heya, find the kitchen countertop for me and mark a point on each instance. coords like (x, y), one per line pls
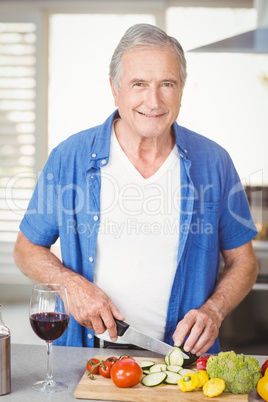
(28, 365)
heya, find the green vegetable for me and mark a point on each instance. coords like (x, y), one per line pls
(239, 372)
(154, 379)
(192, 358)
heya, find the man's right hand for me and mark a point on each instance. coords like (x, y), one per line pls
(89, 305)
(92, 308)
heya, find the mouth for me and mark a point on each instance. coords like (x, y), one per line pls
(152, 116)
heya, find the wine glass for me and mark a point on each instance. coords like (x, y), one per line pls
(49, 318)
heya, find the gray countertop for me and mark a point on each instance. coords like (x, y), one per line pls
(28, 365)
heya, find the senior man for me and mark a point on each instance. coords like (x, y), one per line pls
(143, 207)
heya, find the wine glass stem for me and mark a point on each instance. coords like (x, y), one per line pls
(49, 378)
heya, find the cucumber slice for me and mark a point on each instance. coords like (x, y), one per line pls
(146, 371)
(154, 379)
(146, 364)
(172, 378)
(158, 368)
(175, 368)
(176, 357)
(166, 358)
(186, 371)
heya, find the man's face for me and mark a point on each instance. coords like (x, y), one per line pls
(150, 95)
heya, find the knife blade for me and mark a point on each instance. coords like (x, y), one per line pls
(135, 337)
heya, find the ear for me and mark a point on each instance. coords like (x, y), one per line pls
(115, 94)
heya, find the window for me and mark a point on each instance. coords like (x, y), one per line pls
(17, 131)
(79, 91)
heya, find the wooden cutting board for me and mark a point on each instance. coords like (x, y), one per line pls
(104, 389)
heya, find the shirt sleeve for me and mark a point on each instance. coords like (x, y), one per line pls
(40, 223)
(236, 223)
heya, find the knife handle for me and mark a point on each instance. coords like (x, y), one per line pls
(121, 327)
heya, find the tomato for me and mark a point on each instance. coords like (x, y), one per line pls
(126, 357)
(93, 366)
(105, 368)
(126, 373)
(111, 359)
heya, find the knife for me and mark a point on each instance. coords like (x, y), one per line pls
(135, 337)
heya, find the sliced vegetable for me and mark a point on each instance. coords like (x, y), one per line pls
(186, 371)
(172, 378)
(158, 367)
(166, 358)
(146, 371)
(146, 364)
(174, 368)
(176, 357)
(154, 379)
(214, 387)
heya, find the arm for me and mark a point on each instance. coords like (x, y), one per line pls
(89, 305)
(239, 275)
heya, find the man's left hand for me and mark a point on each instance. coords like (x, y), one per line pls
(202, 325)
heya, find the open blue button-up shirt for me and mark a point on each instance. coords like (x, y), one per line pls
(214, 215)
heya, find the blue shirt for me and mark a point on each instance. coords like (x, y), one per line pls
(214, 215)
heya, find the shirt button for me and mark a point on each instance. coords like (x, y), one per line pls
(93, 155)
(90, 259)
(103, 162)
(95, 218)
(89, 336)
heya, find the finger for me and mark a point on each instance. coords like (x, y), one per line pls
(110, 325)
(205, 346)
(183, 329)
(194, 336)
(206, 340)
(97, 324)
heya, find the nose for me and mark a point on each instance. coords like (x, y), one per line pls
(153, 98)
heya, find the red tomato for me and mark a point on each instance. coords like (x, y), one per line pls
(93, 366)
(126, 373)
(105, 368)
(126, 357)
(111, 359)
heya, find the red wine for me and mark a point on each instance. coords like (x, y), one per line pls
(49, 326)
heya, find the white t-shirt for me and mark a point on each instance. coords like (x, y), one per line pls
(136, 252)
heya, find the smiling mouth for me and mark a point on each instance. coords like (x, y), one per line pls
(151, 115)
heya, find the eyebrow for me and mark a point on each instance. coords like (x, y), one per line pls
(143, 80)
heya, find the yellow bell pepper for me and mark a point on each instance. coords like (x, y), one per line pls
(262, 386)
(203, 378)
(214, 387)
(188, 382)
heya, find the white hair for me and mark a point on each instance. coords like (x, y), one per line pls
(141, 35)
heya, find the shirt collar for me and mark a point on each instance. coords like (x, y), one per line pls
(100, 150)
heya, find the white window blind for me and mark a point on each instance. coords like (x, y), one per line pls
(17, 134)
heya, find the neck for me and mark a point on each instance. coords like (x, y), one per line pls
(146, 154)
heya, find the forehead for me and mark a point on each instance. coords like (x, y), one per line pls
(149, 59)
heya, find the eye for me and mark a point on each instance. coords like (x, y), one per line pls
(138, 84)
(167, 84)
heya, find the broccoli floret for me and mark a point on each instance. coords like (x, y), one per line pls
(240, 373)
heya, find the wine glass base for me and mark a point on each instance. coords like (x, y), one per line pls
(49, 386)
